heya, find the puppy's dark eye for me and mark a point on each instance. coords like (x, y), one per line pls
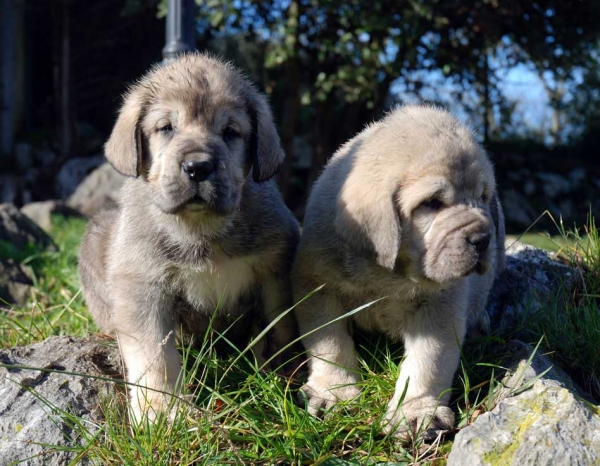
(485, 198)
(432, 204)
(168, 128)
(230, 133)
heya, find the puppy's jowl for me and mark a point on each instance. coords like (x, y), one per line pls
(198, 223)
(407, 210)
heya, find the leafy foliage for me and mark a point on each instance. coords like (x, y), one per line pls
(323, 59)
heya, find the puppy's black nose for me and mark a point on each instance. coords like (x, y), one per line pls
(481, 241)
(197, 171)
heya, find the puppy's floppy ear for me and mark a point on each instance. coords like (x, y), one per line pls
(266, 152)
(367, 220)
(124, 146)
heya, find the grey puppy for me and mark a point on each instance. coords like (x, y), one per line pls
(406, 210)
(199, 224)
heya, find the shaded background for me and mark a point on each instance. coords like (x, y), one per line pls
(524, 74)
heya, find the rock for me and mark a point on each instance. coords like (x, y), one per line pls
(520, 372)
(41, 212)
(10, 188)
(18, 234)
(554, 184)
(544, 423)
(517, 209)
(529, 188)
(18, 230)
(100, 189)
(73, 172)
(15, 283)
(530, 279)
(29, 421)
(577, 176)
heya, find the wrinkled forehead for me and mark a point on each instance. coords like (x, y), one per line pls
(187, 95)
(464, 166)
(450, 179)
(469, 171)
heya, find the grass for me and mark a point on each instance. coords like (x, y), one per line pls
(553, 243)
(56, 306)
(570, 321)
(242, 415)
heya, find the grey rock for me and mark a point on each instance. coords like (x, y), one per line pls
(99, 190)
(15, 283)
(10, 187)
(41, 212)
(73, 172)
(526, 365)
(553, 184)
(517, 209)
(529, 280)
(536, 422)
(566, 208)
(529, 188)
(18, 230)
(32, 401)
(577, 175)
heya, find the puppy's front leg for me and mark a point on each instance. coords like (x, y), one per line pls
(146, 336)
(333, 365)
(432, 340)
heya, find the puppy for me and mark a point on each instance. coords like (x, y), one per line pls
(198, 228)
(406, 211)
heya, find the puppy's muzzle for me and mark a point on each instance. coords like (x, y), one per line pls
(481, 243)
(198, 171)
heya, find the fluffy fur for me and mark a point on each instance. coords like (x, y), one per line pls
(177, 247)
(406, 210)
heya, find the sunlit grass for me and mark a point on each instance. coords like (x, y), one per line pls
(56, 306)
(570, 320)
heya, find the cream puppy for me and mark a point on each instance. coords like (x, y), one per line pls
(406, 211)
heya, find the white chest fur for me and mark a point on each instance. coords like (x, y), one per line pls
(219, 282)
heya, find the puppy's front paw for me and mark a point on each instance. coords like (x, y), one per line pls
(147, 406)
(322, 395)
(145, 409)
(418, 418)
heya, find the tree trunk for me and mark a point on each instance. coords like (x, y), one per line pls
(290, 102)
(321, 143)
(487, 107)
(556, 101)
(65, 101)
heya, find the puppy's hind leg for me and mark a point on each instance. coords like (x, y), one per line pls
(333, 364)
